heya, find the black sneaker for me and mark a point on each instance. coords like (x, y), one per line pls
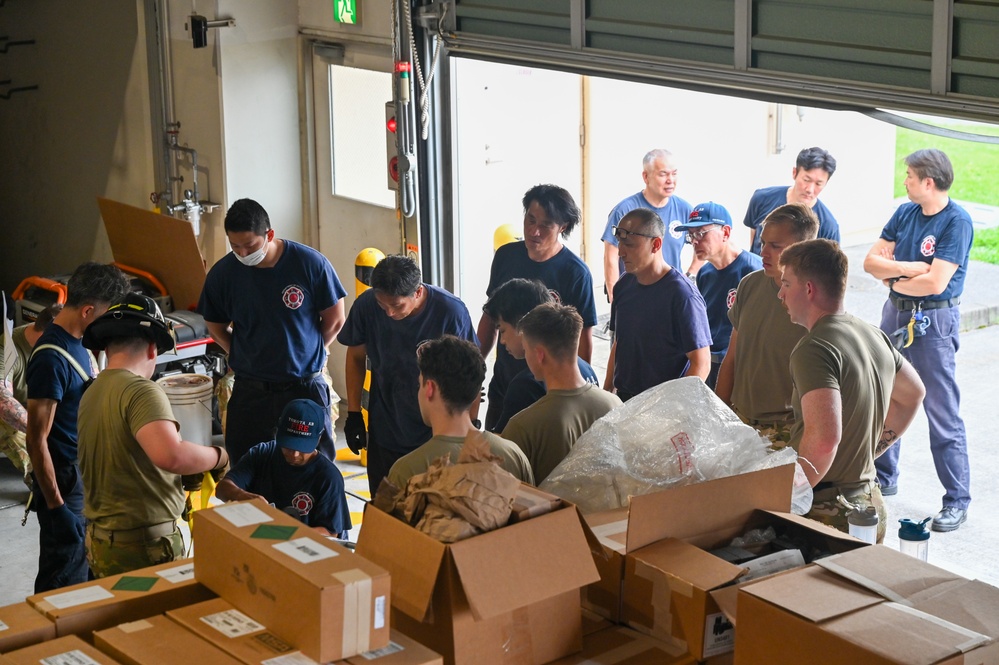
(949, 519)
(889, 490)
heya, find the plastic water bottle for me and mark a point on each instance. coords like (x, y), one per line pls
(914, 538)
(863, 524)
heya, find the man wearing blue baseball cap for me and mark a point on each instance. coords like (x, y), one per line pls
(709, 231)
(289, 472)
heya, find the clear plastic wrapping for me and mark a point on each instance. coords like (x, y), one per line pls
(674, 434)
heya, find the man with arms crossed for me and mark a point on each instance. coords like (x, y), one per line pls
(854, 395)
(753, 378)
(922, 257)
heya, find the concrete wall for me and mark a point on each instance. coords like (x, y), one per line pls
(84, 133)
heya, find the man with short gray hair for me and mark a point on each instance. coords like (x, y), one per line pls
(659, 172)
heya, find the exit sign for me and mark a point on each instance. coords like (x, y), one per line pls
(345, 11)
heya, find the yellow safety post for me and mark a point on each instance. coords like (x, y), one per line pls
(364, 264)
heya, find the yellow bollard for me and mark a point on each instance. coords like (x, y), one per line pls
(364, 264)
(505, 234)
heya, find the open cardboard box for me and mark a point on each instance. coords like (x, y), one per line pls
(683, 510)
(874, 606)
(622, 646)
(506, 596)
(669, 585)
(109, 601)
(325, 600)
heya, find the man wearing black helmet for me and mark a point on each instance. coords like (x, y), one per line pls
(131, 453)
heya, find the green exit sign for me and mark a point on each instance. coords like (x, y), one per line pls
(345, 11)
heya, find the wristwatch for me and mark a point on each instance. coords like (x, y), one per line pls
(892, 281)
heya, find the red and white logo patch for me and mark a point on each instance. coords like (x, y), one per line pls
(673, 231)
(293, 296)
(928, 246)
(730, 298)
(302, 502)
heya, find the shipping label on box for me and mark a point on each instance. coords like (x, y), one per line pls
(110, 601)
(68, 650)
(317, 596)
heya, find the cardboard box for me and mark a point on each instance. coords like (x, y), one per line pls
(325, 600)
(623, 646)
(401, 650)
(506, 596)
(109, 601)
(62, 650)
(667, 584)
(593, 622)
(683, 510)
(158, 641)
(21, 626)
(874, 606)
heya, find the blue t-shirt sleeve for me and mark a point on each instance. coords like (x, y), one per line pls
(954, 243)
(47, 375)
(751, 214)
(332, 512)
(890, 231)
(246, 469)
(612, 219)
(329, 290)
(587, 304)
(355, 329)
(210, 303)
(828, 226)
(692, 316)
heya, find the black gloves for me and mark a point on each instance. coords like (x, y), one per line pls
(68, 527)
(192, 481)
(356, 433)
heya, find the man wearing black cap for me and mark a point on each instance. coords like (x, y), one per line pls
(291, 474)
(131, 453)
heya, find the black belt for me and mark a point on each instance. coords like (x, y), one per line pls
(277, 386)
(906, 304)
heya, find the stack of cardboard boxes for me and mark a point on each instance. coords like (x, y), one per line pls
(661, 585)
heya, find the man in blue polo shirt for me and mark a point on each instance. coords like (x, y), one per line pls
(386, 324)
(659, 172)
(811, 173)
(291, 474)
(922, 257)
(709, 231)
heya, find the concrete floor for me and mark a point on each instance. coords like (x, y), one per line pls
(972, 550)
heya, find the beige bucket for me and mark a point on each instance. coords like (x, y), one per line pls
(191, 400)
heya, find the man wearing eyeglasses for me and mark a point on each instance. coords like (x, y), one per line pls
(660, 175)
(709, 230)
(659, 319)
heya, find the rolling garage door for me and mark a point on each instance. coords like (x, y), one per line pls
(929, 56)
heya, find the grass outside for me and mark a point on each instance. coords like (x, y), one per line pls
(976, 172)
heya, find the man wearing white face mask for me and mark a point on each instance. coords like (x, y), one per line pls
(275, 306)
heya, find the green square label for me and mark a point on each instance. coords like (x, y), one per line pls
(274, 532)
(345, 11)
(134, 584)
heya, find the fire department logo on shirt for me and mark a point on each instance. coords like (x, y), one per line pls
(730, 298)
(302, 502)
(673, 231)
(293, 296)
(928, 246)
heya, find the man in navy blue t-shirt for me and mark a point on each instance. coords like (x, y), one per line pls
(811, 173)
(922, 257)
(659, 320)
(58, 372)
(385, 325)
(291, 474)
(550, 215)
(709, 231)
(274, 306)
